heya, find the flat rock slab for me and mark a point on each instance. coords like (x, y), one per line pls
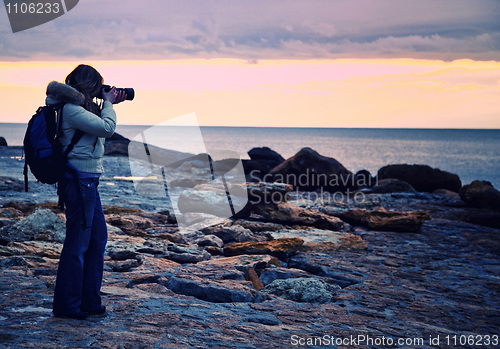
(386, 220)
(323, 240)
(280, 248)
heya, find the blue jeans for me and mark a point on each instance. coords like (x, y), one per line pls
(79, 275)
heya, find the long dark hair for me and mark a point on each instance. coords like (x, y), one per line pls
(89, 82)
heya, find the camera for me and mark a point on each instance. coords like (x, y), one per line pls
(128, 91)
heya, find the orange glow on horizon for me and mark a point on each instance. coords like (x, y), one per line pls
(288, 93)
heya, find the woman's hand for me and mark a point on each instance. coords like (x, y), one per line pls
(113, 96)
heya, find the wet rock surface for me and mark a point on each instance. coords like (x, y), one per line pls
(440, 281)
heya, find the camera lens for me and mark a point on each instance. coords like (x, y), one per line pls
(130, 93)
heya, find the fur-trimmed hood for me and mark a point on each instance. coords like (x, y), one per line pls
(58, 92)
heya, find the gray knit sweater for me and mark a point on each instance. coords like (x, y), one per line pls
(87, 154)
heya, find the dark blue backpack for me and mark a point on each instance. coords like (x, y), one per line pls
(42, 148)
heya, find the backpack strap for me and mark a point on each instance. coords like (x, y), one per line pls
(76, 137)
(25, 172)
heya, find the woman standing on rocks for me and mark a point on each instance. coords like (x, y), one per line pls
(79, 275)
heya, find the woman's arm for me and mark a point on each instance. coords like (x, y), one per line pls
(79, 118)
(88, 122)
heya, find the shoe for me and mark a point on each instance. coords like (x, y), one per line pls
(78, 315)
(98, 311)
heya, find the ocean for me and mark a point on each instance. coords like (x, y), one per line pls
(470, 153)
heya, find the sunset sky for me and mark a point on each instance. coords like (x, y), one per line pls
(418, 64)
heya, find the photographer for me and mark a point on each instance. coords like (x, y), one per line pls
(79, 275)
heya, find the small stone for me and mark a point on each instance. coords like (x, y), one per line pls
(121, 255)
(124, 265)
(251, 275)
(265, 320)
(447, 193)
(309, 290)
(225, 291)
(131, 223)
(10, 212)
(392, 185)
(227, 234)
(281, 248)
(257, 226)
(15, 261)
(185, 255)
(209, 240)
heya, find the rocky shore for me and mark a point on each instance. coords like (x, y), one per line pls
(337, 259)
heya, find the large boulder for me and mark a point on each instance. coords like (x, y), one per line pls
(386, 220)
(3, 142)
(307, 170)
(262, 160)
(481, 194)
(421, 177)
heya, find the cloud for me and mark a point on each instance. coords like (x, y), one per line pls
(158, 29)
